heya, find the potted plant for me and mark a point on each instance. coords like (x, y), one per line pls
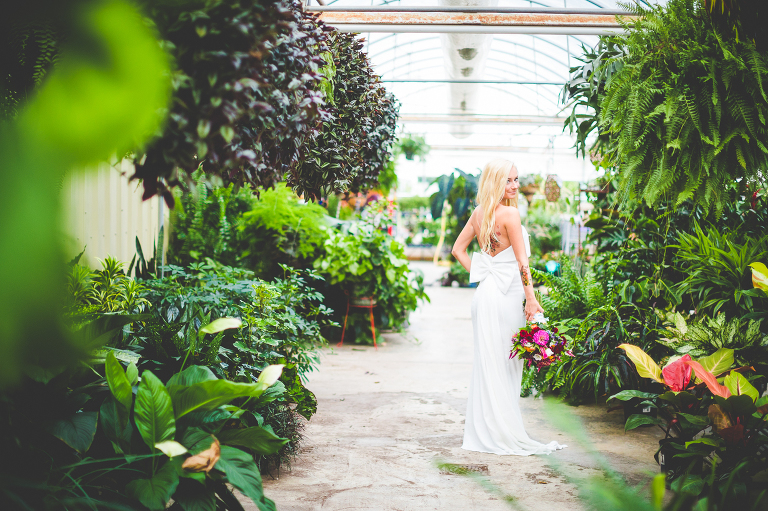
(412, 146)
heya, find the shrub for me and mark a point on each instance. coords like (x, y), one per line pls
(369, 262)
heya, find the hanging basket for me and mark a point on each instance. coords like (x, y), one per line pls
(529, 191)
(552, 188)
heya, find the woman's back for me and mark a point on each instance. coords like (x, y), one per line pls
(501, 227)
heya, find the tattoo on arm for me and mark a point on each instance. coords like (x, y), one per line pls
(526, 275)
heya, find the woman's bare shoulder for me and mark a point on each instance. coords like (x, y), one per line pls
(507, 211)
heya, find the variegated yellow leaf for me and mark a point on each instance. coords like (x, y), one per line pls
(644, 364)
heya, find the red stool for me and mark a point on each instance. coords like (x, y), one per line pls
(362, 303)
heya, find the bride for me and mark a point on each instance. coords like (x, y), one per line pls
(493, 422)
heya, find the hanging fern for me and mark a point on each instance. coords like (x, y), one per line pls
(687, 108)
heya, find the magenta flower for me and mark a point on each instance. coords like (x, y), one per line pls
(541, 337)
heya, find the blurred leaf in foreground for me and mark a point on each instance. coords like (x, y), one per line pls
(106, 95)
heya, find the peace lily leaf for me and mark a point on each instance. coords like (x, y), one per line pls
(739, 385)
(192, 375)
(718, 362)
(242, 473)
(690, 484)
(208, 395)
(760, 276)
(270, 375)
(132, 373)
(119, 384)
(709, 379)
(638, 420)
(644, 364)
(259, 440)
(77, 430)
(171, 448)
(626, 395)
(205, 460)
(118, 432)
(221, 324)
(154, 411)
(155, 493)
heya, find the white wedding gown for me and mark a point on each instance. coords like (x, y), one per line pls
(493, 422)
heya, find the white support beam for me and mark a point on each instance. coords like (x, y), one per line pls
(470, 20)
(536, 120)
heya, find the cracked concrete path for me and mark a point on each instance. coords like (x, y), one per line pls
(386, 417)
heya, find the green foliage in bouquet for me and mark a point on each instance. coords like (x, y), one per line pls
(687, 109)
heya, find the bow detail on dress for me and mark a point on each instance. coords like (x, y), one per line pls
(502, 268)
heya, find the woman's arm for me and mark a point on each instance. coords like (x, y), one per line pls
(459, 249)
(515, 235)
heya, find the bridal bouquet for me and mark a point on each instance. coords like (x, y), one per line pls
(537, 345)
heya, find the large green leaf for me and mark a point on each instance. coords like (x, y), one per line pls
(257, 439)
(242, 473)
(740, 386)
(221, 324)
(132, 373)
(682, 400)
(154, 493)
(626, 395)
(77, 430)
(195, 496)
(638, 420)
(154, 411)
(691, 484)
(119, 385)
(192, 375)
(118, 432)
(718, 362)
(209, 395)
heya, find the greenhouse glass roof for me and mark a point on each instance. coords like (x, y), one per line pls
(513, 103)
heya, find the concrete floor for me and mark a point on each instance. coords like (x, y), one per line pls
(386, 417)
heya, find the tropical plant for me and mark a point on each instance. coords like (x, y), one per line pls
(369, 262)
(718, 273)
(585, 91)
(703, 336)
(236, 228)
(724, 429)
(108, 290)
(687, 108)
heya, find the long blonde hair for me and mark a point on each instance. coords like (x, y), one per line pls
(490, 193)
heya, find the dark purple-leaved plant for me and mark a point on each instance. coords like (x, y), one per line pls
(356, 144)
(246, 92)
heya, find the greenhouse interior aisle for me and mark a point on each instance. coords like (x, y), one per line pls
(387, 417)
